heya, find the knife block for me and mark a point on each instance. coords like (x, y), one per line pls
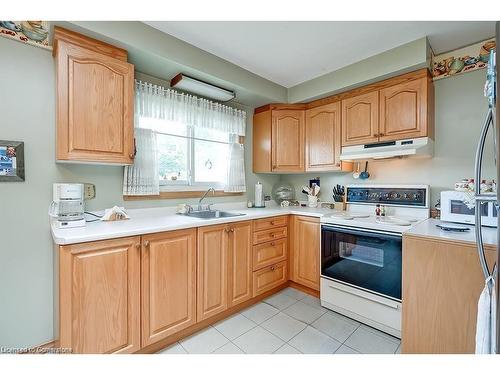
(340, 206)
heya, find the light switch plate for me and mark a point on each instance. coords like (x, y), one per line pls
(88, 191)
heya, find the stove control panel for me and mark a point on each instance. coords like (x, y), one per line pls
(414, 197)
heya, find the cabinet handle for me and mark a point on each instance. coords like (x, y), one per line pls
(272, 222)
(132, 156)
(273, 244)
(146, 243)
(231, 230)
(273, 268)
(376, 135)
(381, 134)
(226, 230)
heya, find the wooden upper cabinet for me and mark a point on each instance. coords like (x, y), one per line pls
(403, 111)
(305, 250)
(240, 263)
(99, 286)
(360, 119)
(323, 129)
(168, 283)
(212, 271)
(261, 142)
(95, 100)
(287, 149)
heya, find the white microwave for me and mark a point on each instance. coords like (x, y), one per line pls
(454, 209)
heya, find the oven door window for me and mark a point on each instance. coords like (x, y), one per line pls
(371, 261)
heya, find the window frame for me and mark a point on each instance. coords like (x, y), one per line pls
(190, 184)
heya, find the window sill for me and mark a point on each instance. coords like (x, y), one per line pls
(178, 194)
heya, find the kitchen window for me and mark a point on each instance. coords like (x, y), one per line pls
(184, 143)
(190, 158)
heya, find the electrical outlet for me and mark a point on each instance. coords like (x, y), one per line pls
(88, 191)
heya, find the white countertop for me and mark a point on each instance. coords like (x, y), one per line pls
(428, 228)
(154, 220)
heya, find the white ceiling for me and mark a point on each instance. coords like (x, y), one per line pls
(289, 53)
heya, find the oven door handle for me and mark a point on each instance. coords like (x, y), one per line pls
(364, 231)
(387, 303)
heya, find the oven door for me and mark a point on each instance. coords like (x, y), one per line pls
(369, 260)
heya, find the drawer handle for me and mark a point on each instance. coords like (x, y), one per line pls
(272, 222)
(273, 244)
(273, 268)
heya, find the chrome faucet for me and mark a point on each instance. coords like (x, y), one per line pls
(203, 197)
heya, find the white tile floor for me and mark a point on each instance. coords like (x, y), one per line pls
(288, 322)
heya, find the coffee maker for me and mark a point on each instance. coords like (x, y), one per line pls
(67, 207)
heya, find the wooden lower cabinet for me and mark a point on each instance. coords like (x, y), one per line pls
(240, 263)
(269, 277)
(99, 296)
(168, 283)
(212, 270)
(305, 244)
(269, 253)
(442, 281)
(224, 267)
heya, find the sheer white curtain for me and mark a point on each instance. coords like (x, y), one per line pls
(235, 181)
(142, 177)
(156, 102)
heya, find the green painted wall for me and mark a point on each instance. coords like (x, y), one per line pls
(399, 60)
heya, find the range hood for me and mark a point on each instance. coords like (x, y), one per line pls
(415, 147)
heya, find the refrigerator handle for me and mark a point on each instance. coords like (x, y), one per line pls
(477, 176)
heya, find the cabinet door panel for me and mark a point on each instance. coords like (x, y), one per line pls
(323, 129)
(288, 140)
(306, 237)
(269, 277)
(100, 296)
(269, 253)
(442, 282)
(168, 284)
(240, 263)
(95, 94)
(360, 119)
(212, 271)
(403, 111)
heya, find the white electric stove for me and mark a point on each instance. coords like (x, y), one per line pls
(361, 253)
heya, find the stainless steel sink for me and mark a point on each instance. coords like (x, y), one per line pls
(212, 214)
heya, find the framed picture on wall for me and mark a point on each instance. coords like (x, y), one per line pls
(11, 161)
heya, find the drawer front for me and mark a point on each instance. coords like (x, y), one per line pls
(269, 253)
(269, 235)
(270, 222)
(269, 277)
